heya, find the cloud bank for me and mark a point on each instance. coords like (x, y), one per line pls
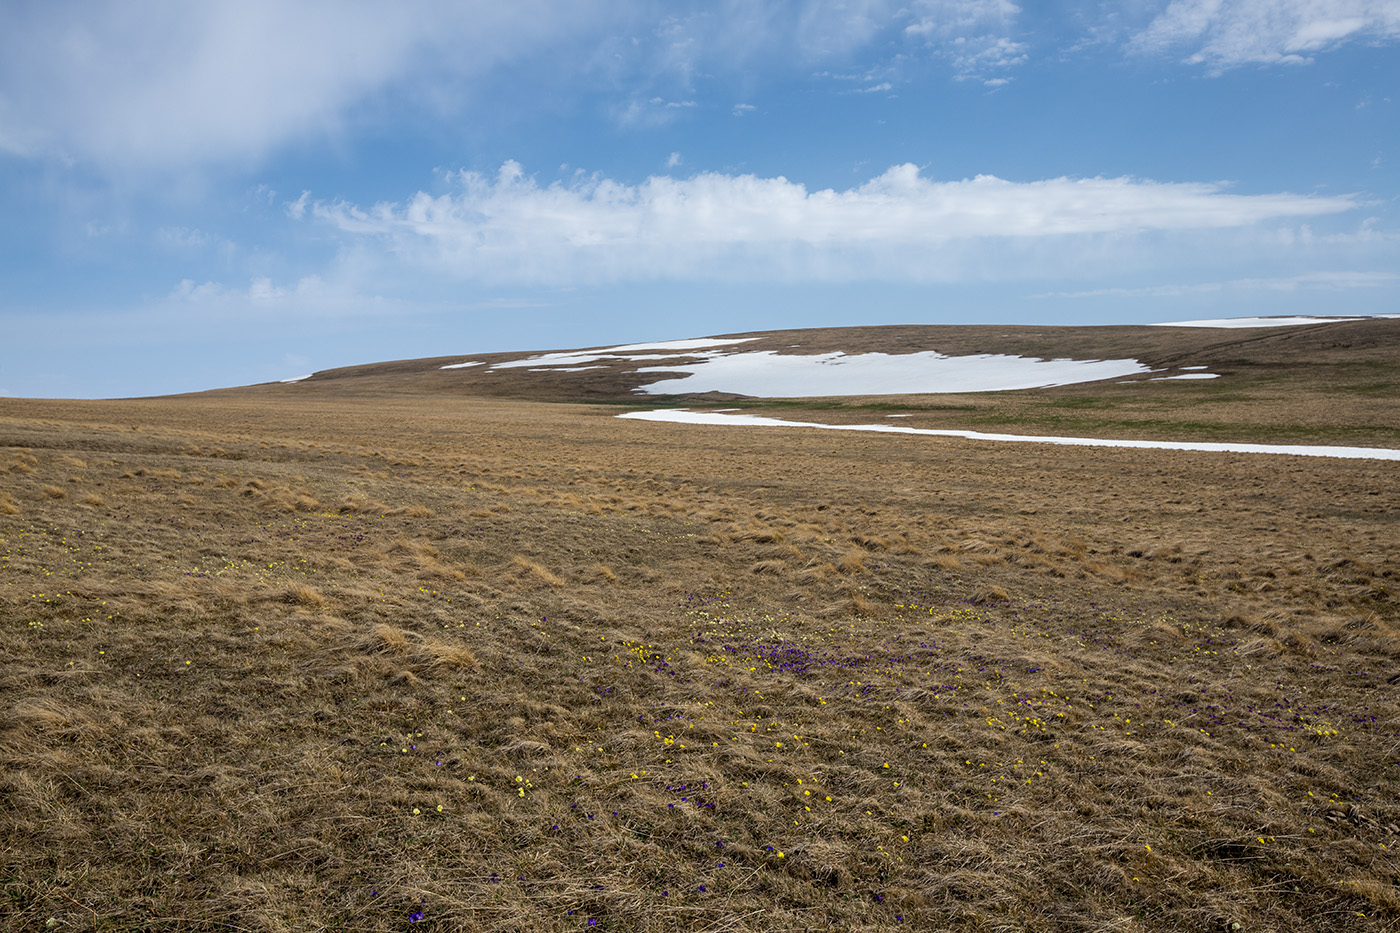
(511, 228)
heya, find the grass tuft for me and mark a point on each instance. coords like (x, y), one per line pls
(535, 570)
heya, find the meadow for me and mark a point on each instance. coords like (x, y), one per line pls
(390, 660)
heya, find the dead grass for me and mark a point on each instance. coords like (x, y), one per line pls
(536, 571)
(728, 681)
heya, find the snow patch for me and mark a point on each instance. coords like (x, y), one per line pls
(627, 351)
(767, 374)
(1232, 322)
(462, 365)
(684, 416)
(295, 379)
(693, 343)
(574, 358)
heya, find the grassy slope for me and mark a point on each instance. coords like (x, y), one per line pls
(1326, 384)
(680, 678)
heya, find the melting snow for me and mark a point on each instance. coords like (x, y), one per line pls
(627, 351)
(462, 365)
(683, 416)
(766, 374)
(1257, 322)
(296, 379)
(1187, 376)
(582, 356)
(694, 343)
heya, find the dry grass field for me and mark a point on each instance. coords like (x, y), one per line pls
(373, 657)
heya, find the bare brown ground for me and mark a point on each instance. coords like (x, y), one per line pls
(308, 662)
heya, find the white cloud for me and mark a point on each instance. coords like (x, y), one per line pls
(152, 83)
(742, 109)
(1226, 33)
(156, 84)
(653, 112)
(974, 35)
(591, 229)
(309, 293)
(297, 209)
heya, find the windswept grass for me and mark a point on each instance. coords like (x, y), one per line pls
(372, 664)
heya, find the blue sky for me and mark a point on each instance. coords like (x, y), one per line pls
(222, 193)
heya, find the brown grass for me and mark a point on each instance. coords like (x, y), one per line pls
(535, 570)
(819, 687)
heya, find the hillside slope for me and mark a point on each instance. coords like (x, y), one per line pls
(1326, 383)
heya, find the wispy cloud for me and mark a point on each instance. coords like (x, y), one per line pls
(1224, 34)
(1333, 281)
(711, 225)
(975, 36)
(121, 84)
(297, 209)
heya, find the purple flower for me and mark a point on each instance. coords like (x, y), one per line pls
(415, 916)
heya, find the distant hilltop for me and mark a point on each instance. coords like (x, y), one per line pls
(874, 361)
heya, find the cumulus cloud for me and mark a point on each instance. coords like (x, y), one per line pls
(742, 226)
(1226, 33)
